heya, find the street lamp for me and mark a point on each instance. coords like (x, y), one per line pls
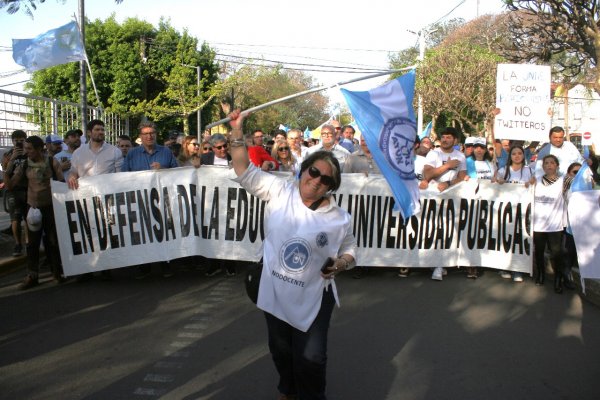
(199, 118)
(421, 34)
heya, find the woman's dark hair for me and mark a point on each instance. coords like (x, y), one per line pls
(509, 161)
(552, 156)
(486, 155)
(329, 158)
(573, 165)
(35, 141)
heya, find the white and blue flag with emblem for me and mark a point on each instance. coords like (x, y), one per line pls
(57, 46)
(386, 119)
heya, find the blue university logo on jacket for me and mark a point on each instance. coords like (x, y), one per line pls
(294, 255)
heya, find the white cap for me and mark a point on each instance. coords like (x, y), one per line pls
(479, 141)
(469, 141)
(34, 219)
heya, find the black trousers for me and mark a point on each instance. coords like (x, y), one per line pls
(48, 231)
(554, 242)
(301, 357)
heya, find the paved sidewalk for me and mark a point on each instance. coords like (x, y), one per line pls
(7, 244)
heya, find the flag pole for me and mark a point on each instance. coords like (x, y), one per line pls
(304, 93)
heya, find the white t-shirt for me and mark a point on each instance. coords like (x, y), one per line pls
(549, 207)
(64, 155)
(297, 242)
(485, 169)
(221, 161)
(522, 175)
(436, 158)
(566, 154)
(419, 165)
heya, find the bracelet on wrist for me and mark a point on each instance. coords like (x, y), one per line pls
(238, 143)
(346, 261)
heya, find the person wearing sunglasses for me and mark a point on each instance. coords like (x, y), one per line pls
(308, 241)
(283, 155)
(219, 155)
(190, 152)
(205, 147)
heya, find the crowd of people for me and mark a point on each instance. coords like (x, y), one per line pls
(550, 168)
(439, 164)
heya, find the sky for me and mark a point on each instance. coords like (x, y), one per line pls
(328, 33)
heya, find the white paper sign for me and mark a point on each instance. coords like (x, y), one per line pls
(523, 97)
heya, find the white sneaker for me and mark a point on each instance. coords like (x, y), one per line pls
(505, 274)
(517, 277)
(438, 273)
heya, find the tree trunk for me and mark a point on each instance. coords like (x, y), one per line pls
(186, 125)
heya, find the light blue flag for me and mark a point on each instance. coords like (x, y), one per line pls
(307, 133)
(586, 152)
(583, 179)
(386, 119)
(427, 131)
(57, 46)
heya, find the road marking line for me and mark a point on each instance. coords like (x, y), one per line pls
(168, 364)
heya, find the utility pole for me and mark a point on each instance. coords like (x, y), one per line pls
(82, 82)
(420, 105)
(198, 117)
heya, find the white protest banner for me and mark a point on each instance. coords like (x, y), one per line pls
(584, 217)
(523, 97)
(116, 220)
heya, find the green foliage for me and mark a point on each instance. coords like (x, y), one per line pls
(459, 80)
(258, 85)
(137, 70)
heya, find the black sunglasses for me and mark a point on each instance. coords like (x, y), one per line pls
(283, 149)
(195, 144)
(325, 179)
(220, 147)
(574, 171)
(206, 148)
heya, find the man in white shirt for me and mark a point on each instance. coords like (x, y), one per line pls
(328, 144)
(565, 151)
(294, 139)
(94, 158)
(444, 166)
(73, 141)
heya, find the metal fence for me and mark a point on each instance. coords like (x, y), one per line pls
(43, 116)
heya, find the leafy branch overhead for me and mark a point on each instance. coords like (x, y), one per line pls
(565, 34)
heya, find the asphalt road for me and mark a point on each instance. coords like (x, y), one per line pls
(193, 337)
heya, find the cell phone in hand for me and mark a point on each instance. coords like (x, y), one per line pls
(328, 263)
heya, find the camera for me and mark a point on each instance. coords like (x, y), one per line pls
(19, 145)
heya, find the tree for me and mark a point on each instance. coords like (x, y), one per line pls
(459, 80)
(137, 68)
(565, 34)
(257, 85)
